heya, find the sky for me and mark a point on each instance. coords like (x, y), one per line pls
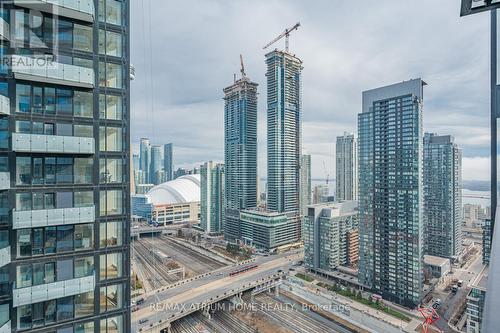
(186, 51)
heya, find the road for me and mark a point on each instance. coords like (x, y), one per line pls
(173, 301)
(452, 301)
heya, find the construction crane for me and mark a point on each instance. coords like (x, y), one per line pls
(242, 67)
(326, 173)
(285, 34)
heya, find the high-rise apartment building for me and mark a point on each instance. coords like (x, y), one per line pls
(284, 142)
(168, 161)
(305, 183)
(64, 166)
(212, 180)
(346, 180)
(155, 167)
(320, 194)
(240, 152)
(442, 196)
(391, 191)
(145, 159)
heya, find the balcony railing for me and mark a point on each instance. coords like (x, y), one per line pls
(4, 30)
(4, 105)
(77, 9)
(6, 328)
(49, 217)
(4, 181)
(4, 256)
(48, 71)
(54, 290)
(39, 143)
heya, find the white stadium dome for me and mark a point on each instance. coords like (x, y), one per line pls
(181, 190)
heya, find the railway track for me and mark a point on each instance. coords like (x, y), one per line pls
(295, 320)
(155, 274)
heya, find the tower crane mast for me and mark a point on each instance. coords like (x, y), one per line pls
(285, 34)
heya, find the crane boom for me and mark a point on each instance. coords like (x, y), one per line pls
(242, 70)
(285, 34)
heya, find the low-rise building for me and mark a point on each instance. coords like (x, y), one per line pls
(176, 201)
(266, 230)
(330, 235)
(436, 267)
(475, 302)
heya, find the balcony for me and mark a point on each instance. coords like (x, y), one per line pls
(4, 181)
(4, 256)
(50, 217)
(54, 290)
(58, 144)
(4, 105)
(47, 71)
(75, 9)
(6, 328)
(4, 30)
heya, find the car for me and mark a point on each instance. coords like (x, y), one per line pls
(291, 269)
(460, 283)
(436, 304)
(280, 270)
(142, 321)
(454, 288)
(140, 301)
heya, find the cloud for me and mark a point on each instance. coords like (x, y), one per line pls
(346, 46)
(476, 168)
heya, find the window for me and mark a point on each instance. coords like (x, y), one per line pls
(110, 266)
(64, 98)
(50, 240)
(110, 234)
(37, 248)
(111, 325)
(23, 170)
(50, 311)
(110, 75)
(64, 170)
(110, 139)
(23, 98)
(84, 199)
(64, 270)
(38, 100)
(83, 104)
(23, 201)
(110, 43)
(50, 101)
(82, 37)
(64, 238)
(83, 170)
(84, 131)
(50, 170)
(24, 242)
(38, 315)
(111, 12)
(111, 297)
(110, 107)
(65, 34)
(110, 170)
(24, 316)
(84, 304)
(111, 202)
(84, 267)
(65, 308)
(24, 276)
(84, 236)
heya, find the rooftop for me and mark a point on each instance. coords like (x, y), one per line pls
(435, 261)
(180, 190)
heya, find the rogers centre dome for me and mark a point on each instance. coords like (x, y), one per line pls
(181, 190)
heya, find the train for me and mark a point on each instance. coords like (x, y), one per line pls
(160, 256)
(243, 269)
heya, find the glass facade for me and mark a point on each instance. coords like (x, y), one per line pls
(45, 183)
(391, 191)
(212, 187)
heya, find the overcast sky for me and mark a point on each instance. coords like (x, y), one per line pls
(346, 47)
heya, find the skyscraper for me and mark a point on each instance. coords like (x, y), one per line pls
(168, 161)
(240, 152)
(156, 165)
(64, 172)
(391, 191)
(346, 179)
(284, 108)
(305, 183)
(145, 159)
(212, 188)
(442, 196)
